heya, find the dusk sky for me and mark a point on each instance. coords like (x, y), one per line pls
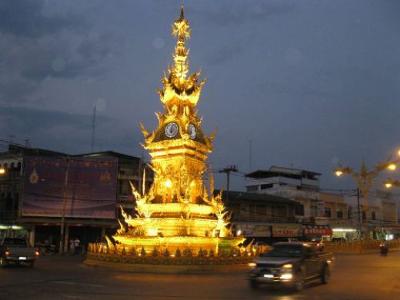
(309, 83)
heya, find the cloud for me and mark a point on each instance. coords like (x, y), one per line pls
(26, 18)
(224, 53)
(66, 132)
(236, 13)
(36, 45)
(48, 126)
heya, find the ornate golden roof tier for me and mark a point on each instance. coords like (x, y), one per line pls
(177, 87)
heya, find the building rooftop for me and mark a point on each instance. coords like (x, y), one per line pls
(254, 197)
(275, 171)
(14, 150)
(21, 150)
(108, 153)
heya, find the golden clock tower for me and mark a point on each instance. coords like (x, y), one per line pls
(178, 211)
(178, 146)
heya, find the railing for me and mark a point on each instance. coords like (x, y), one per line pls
(108, 253)
(358, 246)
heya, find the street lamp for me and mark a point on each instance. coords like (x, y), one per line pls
(2, 171)
(390, 183)
(364, 179)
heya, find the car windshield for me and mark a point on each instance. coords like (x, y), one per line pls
(284, 251)
(14, 242)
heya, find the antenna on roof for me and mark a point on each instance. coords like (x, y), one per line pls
(228, 171)
(93, 129)
(27, 143)
(250, 154)
(11, 138)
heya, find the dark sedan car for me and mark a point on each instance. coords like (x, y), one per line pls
(291, 264)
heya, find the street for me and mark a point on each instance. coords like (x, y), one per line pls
(366, 276)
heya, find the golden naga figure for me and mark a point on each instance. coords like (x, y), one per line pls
(179, 211)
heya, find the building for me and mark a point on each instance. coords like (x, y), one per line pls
(378, 215)
(92, 205)
(299, 185)
(262, 216)
(131, 170)
(320, 212)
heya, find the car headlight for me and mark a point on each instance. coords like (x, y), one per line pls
(286, 276)
(287, 266)
(252, 264)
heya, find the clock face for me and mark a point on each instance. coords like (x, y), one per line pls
(192, 131)
(171, 130)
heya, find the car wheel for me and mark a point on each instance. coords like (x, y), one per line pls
(325, 275)
(253, 284)
(299, 283)
(31, 264)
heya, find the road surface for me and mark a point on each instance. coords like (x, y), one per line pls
(353, 277)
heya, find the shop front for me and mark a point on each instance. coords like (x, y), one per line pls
(317, 232)
(286, 231)
(13, 231)
(344, 234)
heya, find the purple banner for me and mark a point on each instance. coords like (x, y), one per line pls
(75, 187)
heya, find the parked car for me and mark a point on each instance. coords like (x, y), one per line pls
(291, 264)
(17, 251)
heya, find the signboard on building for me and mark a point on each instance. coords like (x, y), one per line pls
(315, 230)
(254, 230)
(75, 187)
(286, 230)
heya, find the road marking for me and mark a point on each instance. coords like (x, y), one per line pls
(78, 283)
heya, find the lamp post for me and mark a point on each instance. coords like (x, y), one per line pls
(364, 179)
(391, 183)
(62, 225)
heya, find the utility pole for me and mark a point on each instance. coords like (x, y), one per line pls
(93, 129)
(62, 226)
(228, 171)
(359, 211)
(250, 155)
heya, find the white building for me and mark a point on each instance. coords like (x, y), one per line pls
(315, 207)
(299, 185)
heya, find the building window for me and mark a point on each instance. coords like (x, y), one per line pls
(299, 210)
(327, 213)
(364, 215)
(266, 186)
(339, 214)
(253, 212)
(373, 216)
(252, 188)
(314, 210)
(279, 211)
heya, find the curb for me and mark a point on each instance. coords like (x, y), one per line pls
(169, 269)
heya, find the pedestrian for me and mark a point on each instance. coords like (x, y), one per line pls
(72, 246)
(77, 244)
